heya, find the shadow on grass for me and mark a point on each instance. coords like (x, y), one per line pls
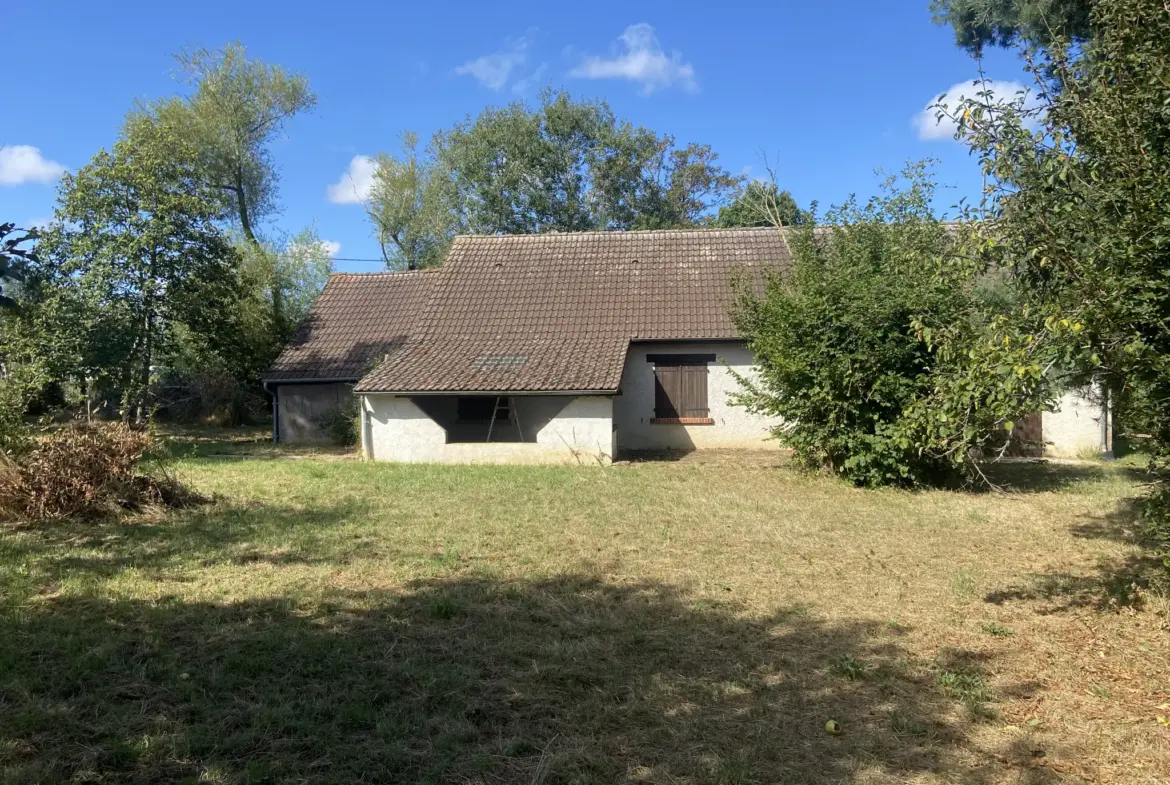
(1116, 583)
(1042, 476)
(564, 680)
(203, 536)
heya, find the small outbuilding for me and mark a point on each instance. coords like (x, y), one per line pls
(355, 323)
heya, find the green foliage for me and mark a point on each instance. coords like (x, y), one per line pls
(862, 348)
(980, 23)
(1080, 196)
(406, 209)
(238, 108)
(13, 259)
(564, 166)
(762, 204)
(343, 424)
(133, 252)
(997, 630)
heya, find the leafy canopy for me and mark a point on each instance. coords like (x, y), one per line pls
(856, 345)
(981, 23)
(1079, 194)
(566, 165)
(134, 251)
(239, 106)
(762, 204)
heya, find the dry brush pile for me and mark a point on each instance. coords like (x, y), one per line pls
(89, 472)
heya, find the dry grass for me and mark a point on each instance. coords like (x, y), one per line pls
(694, 621)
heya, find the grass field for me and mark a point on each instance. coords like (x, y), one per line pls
(328, 620)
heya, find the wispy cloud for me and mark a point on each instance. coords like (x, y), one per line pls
(330, 247)
(355, 183)
(530, 81)
(930, 127)
(22, 163)
(38, 222)
(493, 70)
(637, 56)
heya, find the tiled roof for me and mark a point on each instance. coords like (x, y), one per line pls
(354, 323)
(556, 312)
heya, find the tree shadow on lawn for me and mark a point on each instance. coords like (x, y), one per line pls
(1041, 476)
(219, 533)
(1116, 582)
(472, 680)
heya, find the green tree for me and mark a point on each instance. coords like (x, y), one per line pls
(15, 255)
(564, 166)
(857, 346)
(762, 204)
(239, 106)
(405, 206)
(23, 373)
(133, 252)
(1079, 197)
(981, 23)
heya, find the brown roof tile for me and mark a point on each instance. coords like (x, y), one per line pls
(556, 312)
(355, 321)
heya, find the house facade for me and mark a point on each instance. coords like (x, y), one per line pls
(546, 348)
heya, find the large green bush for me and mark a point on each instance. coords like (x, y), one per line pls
(858, 343)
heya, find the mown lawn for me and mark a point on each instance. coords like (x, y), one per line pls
(327, 620)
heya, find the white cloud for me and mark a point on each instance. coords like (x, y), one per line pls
(39, 222)
(22, 163)
(492, 71)
(355, 183)
(929, 127)
(638, 57)
(330, 247)
(530, 81)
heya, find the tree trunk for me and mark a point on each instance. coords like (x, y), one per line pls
(147, 359)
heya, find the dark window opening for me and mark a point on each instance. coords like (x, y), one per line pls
(479, 409)
(680, 390)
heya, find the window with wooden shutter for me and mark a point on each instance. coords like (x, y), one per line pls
(680, 390)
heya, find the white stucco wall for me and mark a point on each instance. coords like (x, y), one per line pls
(634, 407)
(1074, 430)
(396, 429)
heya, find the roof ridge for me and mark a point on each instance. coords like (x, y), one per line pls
(376, 273)
(619, 232)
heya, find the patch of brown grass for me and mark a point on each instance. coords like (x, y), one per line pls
(684, 622)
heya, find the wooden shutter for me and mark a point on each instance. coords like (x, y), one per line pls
(694, 391)
(680, 392)
(667, 391)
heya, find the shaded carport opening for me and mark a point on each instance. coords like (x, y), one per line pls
(481, 419)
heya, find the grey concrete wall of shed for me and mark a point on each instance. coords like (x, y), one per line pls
(301, 406)
(734, 426)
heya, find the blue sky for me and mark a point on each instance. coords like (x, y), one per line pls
(827, 90)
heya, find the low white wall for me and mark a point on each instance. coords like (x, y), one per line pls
(1074, 430)
(396, 429)
(734, 426)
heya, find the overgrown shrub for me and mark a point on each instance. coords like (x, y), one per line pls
(880, 350)
(342, 425)
(208, 395)
(86, 472)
